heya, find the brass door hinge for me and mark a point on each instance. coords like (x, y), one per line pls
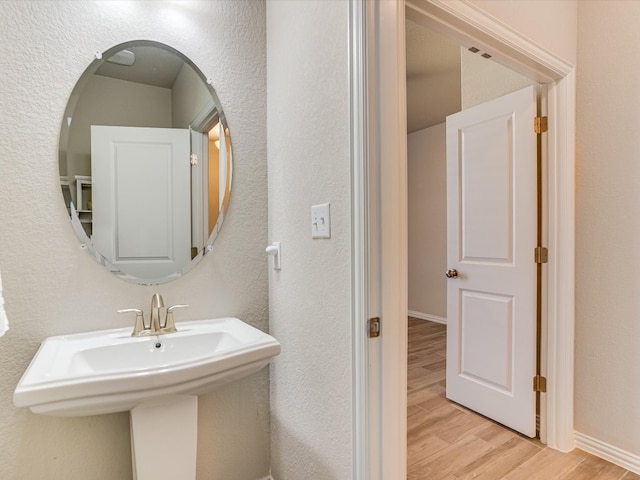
(539, 384)
(541, 255)
(540, 124)
(374, 327)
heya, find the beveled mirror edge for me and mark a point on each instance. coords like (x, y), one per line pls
(85, 241)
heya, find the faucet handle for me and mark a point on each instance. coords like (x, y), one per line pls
(169, 323)
(139, 326)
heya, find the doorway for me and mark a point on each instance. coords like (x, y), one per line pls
(472, 206)
(383, 449)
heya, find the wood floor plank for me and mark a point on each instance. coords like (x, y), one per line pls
(499, 461)
(587, 472)
(547, 464)
(594, 468)
(446, 441)
(429, 445)
(497, 435)
(451, 459)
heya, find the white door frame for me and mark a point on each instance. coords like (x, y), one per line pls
(379, 250)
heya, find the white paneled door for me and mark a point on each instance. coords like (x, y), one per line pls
(491, 232)
(141, 199)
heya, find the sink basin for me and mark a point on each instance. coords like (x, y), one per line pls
(111, 371)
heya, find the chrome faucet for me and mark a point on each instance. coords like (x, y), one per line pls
(154, 328)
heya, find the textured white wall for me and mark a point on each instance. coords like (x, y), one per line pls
(52, 287)
(310, 298)
(427, 189)
(607, 391)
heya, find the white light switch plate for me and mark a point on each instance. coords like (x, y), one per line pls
(320, 221)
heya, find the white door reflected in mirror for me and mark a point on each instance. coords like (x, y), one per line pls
(141, 199)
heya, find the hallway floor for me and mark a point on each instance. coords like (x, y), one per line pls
(449, 442)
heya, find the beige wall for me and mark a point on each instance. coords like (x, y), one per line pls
(607, 387)
(310, 298)
(188, 96)
(427, 190)
(53, 287)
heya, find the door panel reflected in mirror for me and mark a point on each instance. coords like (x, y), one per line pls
(145, 162)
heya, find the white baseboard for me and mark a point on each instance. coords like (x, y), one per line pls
(268, 477)
(608, 452)
(426, 316)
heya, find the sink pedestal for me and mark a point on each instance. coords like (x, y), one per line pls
(164, 435)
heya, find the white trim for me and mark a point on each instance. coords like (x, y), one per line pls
(561, 267)
(469, 25)
(463, 21)
(206, 118)
(268, 477)
(386, 117)
(426, 316)
(359, 243)
(608, 452)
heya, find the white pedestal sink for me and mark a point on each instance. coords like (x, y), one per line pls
(157, 378)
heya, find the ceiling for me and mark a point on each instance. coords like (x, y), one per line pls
(152, 66)
(433, 77)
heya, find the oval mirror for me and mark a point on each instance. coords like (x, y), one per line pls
(145, 162)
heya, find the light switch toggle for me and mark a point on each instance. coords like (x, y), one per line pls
(320, 221)
(275, 251)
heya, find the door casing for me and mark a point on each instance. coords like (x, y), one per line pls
(379, 224)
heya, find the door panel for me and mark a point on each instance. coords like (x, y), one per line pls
(141, 199)
(491, 236)
(486, 178)
(486, 324)
(133, 162)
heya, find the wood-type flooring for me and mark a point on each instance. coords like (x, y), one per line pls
(448, 442)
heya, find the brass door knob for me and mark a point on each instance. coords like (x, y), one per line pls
(452, 273)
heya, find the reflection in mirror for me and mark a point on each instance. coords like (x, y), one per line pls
(145, 162)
